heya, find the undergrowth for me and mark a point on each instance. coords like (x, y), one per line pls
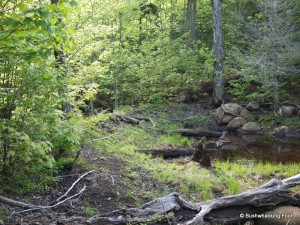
(192, 180)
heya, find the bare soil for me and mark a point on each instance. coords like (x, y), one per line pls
(109, 188)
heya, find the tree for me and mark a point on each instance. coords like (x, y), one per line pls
(191, 15)
(272, 33)
(29, 90)
(218, 77)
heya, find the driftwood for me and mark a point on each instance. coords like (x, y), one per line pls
(59, 201)
(126, 119)
(167, 153)
(226, 210)
(195, 133)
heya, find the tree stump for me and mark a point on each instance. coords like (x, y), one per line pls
(201, 156)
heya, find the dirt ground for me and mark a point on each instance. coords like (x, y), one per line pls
(107, 189)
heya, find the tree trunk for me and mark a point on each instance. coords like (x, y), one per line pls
(191, 18)
(201, 155)
(61, 65)
(5, 158)
(219, 82)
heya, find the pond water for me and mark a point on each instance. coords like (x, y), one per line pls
(259, 148)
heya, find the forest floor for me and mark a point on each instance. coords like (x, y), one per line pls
(123, 178)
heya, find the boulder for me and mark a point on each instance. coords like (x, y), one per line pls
(231, 108)
(282, 129)
(235, 124)
(250, 138)
(252, 106)
(184, 96)
(251, 126)
(247, 115)
(286, 110)
(227, 112)
(280, 216)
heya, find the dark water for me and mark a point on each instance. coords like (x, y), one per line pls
(258, 148)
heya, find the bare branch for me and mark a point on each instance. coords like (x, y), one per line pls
(83, 175)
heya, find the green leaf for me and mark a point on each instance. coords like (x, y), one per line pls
(22, 7)
(11, 153)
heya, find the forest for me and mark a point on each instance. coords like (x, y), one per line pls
(151, 112)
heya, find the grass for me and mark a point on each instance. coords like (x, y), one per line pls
(191, 180)
(90, 210)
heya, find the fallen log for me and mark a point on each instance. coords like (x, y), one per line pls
(195, 133)
(226, 210)
(126, 119)
(167, 153)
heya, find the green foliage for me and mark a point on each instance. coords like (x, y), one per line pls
(126, 57)
(246, 88)
(31, 89)
(268, 119)
(290, 121)
(90, 210)
(158, 98)
(185, 142)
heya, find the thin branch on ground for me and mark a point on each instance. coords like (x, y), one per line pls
(59, 201)
(152, 122)
(52, 206)
(83, 175)
(106, 137)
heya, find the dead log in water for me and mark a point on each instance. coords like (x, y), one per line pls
(226, 210)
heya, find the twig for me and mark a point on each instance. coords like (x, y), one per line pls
(112, 180)
(152, 122)
(52, 206)
(83, 175)
(97, 139)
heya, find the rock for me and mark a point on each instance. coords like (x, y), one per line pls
(184, 96)
(286, 110)
(232, 108)
(226, 119)
(235, 124)
(251, 126)
(281, 216)
(250, 138)
(227, 112)
(252, 106)
(247, 115)
(281, 129)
